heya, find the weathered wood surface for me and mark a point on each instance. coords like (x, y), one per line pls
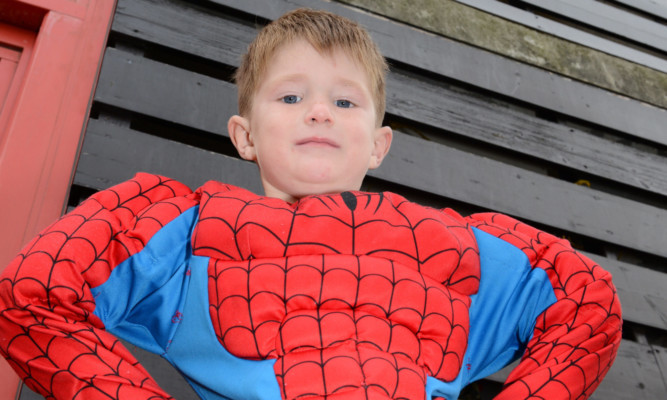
(190, 29)
(475, 28)
(642, 292)
(410, 46)
(106, 159)
(635, 374)
(134, 82)
(567, 32)
(169, 93)
(655, 7)
(112, 154)
(609, 19)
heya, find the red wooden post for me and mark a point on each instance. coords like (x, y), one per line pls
(50, 54)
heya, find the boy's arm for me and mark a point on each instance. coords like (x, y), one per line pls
(575, 340)
(48, 331)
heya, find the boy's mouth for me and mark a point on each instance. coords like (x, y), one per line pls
(318, 141)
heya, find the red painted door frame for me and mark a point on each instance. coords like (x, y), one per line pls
(44, 116)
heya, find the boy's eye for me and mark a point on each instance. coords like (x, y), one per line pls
(344, 104)
(291, 99)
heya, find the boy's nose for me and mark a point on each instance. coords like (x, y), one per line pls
(319, 112)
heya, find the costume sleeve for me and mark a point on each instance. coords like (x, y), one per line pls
(49, 328)
(575, 340)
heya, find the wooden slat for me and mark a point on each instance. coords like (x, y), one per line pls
(181, 26)
(655, 7)
(166, 92)
(164, 373)
(145, 20)
(489, 71)
(129, 81)
(635, 375)
(112, 154)
(609, 19)
(641, 291)
(660, 354)
(476, 117)
(567, 32)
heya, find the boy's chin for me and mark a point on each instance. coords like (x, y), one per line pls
(296, 192)
(316, 190)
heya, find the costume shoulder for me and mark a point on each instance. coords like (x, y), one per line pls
(575, 339)
(49, 285)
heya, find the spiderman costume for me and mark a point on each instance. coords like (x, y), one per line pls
(353, 295)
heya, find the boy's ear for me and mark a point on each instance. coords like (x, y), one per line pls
(381, 145)
(239, 132)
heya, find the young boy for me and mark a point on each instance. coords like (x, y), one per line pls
(316, 290)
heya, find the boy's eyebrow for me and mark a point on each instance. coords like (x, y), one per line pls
(291, 78)
(299, 77)
(352, 83)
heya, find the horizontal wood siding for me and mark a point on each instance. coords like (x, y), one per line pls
(656, 8)
(608, 19)
(568, 32)
(473, 129)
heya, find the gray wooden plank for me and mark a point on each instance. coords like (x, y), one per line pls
(641, 291)
(655, 7)
(660, 354)
(635, 374)
(112, 154)
(567, 32)
(483, 182)
(488, 71)
(184, 27)
(124, 84)
(132, 82)
(609, 19)
(144, 19)
(164, 373)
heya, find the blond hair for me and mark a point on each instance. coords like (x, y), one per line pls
(326, 32)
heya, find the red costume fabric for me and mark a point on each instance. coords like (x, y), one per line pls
(353, 295)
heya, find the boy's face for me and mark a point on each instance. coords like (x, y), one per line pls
(312, 126)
